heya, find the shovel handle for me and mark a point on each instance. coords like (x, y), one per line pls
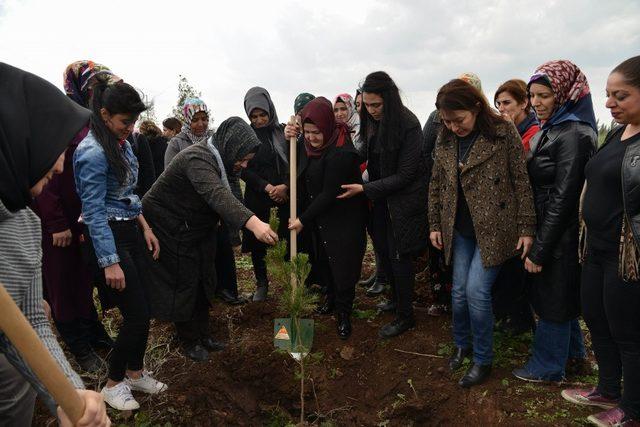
(19, 331)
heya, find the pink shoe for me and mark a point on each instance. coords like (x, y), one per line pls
(589, 396)
(612, 418)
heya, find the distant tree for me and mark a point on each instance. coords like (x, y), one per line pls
(603, 130)
(185, 90)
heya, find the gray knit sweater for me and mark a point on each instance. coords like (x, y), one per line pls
(21, 275)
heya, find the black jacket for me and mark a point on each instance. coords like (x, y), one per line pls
(146, 169)
(158, 147)
(556, 165)
(339, 223)
(184, 207)
(403, 184)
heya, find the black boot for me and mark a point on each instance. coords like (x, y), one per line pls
(477, 374)
(261, 292)
(344, 325)
(377, 288)
(227, 296)
(387, 305)
(397, 327)
(458, 357)
(369, 280)
(89, 361)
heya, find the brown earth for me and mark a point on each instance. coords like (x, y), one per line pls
(361, 381)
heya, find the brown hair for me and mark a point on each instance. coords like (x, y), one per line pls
(517, 89)
(630, 69)
(173, 124)
(149, 129)
(460, 95)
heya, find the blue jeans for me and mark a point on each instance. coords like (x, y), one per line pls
(553, 344)
(471, 300)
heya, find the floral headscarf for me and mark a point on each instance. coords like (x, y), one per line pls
(353, 121)
(190, 107)
(80, 77)
(570, 90)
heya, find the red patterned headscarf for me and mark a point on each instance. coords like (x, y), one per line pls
(570, 90)
(320, 112)
(566, 80)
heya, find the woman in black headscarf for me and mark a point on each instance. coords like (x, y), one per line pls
(266, 177)
(183, 278)
(37, 123)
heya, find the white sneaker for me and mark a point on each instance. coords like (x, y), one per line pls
(119, 397)
(146, 383)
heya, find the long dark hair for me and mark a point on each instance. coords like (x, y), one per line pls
(630, 69)
(460, 95)
(390, 127)
(117, 98)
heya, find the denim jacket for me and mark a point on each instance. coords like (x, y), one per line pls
(103, 197)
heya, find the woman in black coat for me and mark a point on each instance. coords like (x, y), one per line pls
(183, 277)
(559, 94)
(392, 144)
(337, 226)
(266, 179)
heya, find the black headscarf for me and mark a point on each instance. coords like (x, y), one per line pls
(234, 139)
(37, 123)
(258, 97)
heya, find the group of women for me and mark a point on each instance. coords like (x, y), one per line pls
(498, 191)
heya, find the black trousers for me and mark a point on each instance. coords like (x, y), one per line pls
(510, 301)
(342, 294)
(399, 268)
(225, 262)
(191, 331)
(128, 351)
(611, 309)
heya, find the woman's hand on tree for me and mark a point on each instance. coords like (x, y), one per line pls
(115, 277)
(295, 225)
(350, 190)
(524, 243)
(262, 231)
(436, 239)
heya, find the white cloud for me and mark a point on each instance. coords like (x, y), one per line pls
(224, 48)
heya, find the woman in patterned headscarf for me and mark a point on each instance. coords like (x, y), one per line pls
(561, 99)
(81, 76)
(195, 128)
(345, 111)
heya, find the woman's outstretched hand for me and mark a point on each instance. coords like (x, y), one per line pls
(262, 231)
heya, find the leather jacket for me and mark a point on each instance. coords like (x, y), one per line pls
(556, 165)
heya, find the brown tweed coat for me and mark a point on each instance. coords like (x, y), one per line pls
(497, 189)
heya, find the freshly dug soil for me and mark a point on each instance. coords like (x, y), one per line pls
(362, 381)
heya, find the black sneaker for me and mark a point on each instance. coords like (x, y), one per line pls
(397, 327)
(196, 352)
(89, 361)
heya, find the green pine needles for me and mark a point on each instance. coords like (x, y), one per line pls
(295, 299)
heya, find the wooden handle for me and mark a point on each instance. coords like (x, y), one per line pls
(19, 331)
(293, 188)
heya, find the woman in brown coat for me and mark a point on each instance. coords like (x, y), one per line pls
(480, 213)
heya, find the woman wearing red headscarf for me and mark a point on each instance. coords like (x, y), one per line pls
(337, 226)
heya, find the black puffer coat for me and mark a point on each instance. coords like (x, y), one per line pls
(403, 183)
(556, 165)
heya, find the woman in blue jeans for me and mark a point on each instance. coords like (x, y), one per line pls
(560, 97)
(480, 213)
(106, 173)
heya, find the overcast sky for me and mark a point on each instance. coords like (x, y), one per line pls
(325, 47)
